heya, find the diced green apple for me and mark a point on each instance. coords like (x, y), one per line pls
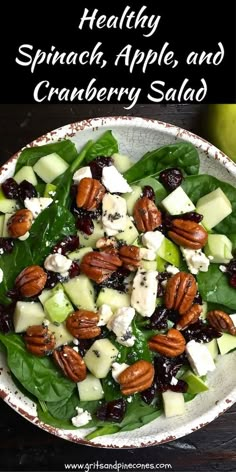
(27, 314)
(49, 190)
(45, 295)
(7, 205)
(61, 333)
(81, 292)
(215, 207)
(169, 252)
(78, 254)
(90, 240)
(58, 306)
(100, 357)
(195, 383)
(212, 347)
(203, 314)
(148, 265)
(161, 264)
(173, 403)
(219, 247)
(113, 298)
(131, 198)
(26, 173)
(130, 234)
(121, 162)
(49, 167)
(226, 343)
(178, 202)
(5, 233)
(90, 389)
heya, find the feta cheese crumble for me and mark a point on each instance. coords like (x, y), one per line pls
(152, 240)
(114, 181)
(196, 260)
(81, 174)
(37, 205)
(114, 211)
(82, 417)
(105, 313)
(120, 323)
(144, 292)
(147, 254)
(199, 358)
(58, 263)
(117, 369)
(172, 269)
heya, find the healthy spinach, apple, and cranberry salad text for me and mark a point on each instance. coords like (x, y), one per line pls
(117, 281)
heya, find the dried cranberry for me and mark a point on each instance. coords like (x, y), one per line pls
(112, 411)
(159, 318)
(10, 188)
(73, 191)
(6, 318)
(26, 190)
(148, 395)
(74, 270)
(84, 345)
(53, 278)
(173, 316)
(68, 244)
(97, 165)
(165, 369)
(148, 192)
(162, 277)
(190, 216)
(171, 178)
(181, 387)
(200, 332)
(6, 245)
(116, 280)
(231, 267)
(85, 224)
(198, 299)
(232, 280)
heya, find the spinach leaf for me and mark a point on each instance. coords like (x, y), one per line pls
(160, 191)
(106, 145)
(47, 418)
(66, 149)
(232, 238)
(214, 287)
(38, 375)
(183, 155)
(65, 409)
(199, 185)
(52, 224)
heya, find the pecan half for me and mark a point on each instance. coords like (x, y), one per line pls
(188, 234)
(180, 292)
(83, 324)
(190, 317)
(98, 266)
(39, 340)
(171, 344)
(31, 281)
(130, 256)
(20, 223)
(147, 217)
(71, 363)
(136, 378)
(221, 321)
(90, 193)
(106, 243)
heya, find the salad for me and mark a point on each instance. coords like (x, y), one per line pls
(118, 281)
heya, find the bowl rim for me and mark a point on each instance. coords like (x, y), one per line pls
(68, 131)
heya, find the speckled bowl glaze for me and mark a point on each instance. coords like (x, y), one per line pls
(137, 136)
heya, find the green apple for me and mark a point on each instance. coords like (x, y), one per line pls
(221, 125)
(169, 252)
(195, 383)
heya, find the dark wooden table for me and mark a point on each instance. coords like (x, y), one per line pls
(24, 446)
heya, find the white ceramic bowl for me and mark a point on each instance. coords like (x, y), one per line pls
(135, 137)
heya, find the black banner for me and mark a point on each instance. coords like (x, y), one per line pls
(119, 52)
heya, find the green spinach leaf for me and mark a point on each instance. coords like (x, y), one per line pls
(183, 155)
(47, 418)
(65, 409)
(66, 149)
(199, 185)
(214, 287)
(106, 145)
(38, 375)
(160, 191)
